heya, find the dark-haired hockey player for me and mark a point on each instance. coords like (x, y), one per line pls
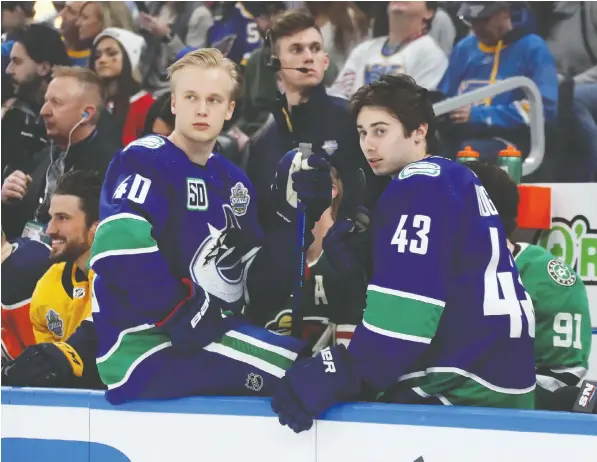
(447, 319)
(563, 329)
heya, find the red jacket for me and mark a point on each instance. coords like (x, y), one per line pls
(134, 123)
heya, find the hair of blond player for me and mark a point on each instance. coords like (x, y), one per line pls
(207, 58)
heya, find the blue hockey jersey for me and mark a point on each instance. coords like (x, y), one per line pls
(473, 65)
(236, 34)
(447, 317)
(164, 219)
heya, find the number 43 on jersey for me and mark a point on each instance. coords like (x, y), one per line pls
(493, 305)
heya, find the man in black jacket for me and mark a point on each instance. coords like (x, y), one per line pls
(73, 103)
(305, 113)
(35, 52)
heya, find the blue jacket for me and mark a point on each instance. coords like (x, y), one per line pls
(473, 65)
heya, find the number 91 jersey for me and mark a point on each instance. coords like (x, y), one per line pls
(447, 317)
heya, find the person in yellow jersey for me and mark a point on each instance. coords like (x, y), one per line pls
(61, 301)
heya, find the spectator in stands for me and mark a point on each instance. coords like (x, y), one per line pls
(557, 292)
(15, 17)
(495, 52)
(61, 302)
(408, 49)
(160, 119)
(73, 103)
(572, 38)
(260, 79)
(76, 49)
(441, 27)
(115, 57)
(168, 28)
(343, 26)
(94, 17)
(305, 113)
(24, 262)
(235, 33)
(36, 51)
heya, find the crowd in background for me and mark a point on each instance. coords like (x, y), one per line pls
(82, 83)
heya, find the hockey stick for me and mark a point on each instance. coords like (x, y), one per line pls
(301, 256)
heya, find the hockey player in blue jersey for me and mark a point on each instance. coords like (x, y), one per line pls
(177, 246)
(447, 319)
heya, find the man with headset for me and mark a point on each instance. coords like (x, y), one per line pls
(73, 103)
(305, 112)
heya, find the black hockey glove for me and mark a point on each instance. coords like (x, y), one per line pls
(45, 365)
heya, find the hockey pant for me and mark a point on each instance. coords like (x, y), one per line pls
(246, 360)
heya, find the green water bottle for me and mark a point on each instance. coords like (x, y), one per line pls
(511, 163)
(467, 154)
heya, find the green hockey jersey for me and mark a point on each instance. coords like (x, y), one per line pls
(563, 323)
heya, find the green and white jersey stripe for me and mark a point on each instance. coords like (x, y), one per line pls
(122, 234)
(402, 315)
(136, 344)
(452, 385)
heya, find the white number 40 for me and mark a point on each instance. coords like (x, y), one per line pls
(418, 246)
(510, 305)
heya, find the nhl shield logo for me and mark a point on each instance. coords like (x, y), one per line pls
(55, 323)
(79, 292)
(254, 382)
(330, 147)
(239, 199)
(560, 273)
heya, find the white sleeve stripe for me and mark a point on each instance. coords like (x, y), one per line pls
(578, 371)
(389, 333)
(119, 216)
(113, 253)
(14, 306)
(399, 293)
(549, 383)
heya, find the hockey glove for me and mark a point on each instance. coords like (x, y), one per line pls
(306, 180)
(45, 365)
(196, 321)
(347, 243)
(313, 385)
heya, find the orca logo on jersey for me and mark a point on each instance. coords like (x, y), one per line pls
(219, 265)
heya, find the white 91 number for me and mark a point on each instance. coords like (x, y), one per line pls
(569, 330)
(419, 246)
(510, 305)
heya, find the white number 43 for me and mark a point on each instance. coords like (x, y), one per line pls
(418, 245)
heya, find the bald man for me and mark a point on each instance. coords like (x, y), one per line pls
(73, 103)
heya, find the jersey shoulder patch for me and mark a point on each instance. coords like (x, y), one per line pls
(148, 142)
(422, 167)
(536, 261)
(561, 273)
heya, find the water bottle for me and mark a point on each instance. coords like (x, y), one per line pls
(511, 162)
(467, 154)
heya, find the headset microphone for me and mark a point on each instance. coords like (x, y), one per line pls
(275, 64)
